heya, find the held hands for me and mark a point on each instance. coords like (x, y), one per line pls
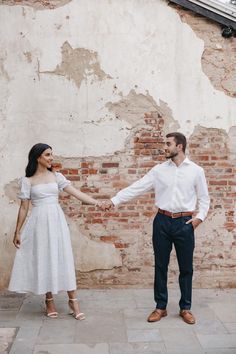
(195, 222)
(17, 240)
(105, 205)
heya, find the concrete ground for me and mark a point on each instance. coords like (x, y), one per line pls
(116, 324)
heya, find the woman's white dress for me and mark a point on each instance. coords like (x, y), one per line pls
(44, 262)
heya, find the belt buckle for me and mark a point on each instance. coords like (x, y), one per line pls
(175, 215)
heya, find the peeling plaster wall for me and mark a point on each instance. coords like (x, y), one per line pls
(103, 82)
(219, 55)
(36, 4)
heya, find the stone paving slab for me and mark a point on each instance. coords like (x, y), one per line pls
(185, 351)
(211, 341)
(116, 323)
(101, 326)
(101, 348)
(53, 330)
(137, 348)
(179, 339)
(7, 316)
(226, 313)
(7, 336)
(220, 351)
(230, 327)
(11, 301)
(143, 335)
(25, 340)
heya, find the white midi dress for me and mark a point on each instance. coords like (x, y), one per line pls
(44, 262)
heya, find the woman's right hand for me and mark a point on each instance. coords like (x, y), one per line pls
(16, 240)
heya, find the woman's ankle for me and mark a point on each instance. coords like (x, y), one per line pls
(48, 296)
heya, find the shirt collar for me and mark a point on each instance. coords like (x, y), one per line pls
(185, 161)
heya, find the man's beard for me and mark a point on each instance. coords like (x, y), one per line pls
(171, 156)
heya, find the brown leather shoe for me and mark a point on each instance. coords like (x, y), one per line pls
(156, 315)
(187, 316)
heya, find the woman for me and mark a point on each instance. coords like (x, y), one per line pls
(44, 261)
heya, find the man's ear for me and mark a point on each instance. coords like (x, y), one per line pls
(180, 146)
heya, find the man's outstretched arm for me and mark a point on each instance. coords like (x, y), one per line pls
(134, 190)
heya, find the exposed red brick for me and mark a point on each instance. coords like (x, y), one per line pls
(73, 171)
(92, 171)
(56, 166)
(148, 164)
(232, 183)
(85, 165)
(129, 226)
(89, 190)
(132, 172)
(121, 245)
(97, 221)
(111, 214)
(219, 183)
(110, 239)
(129, 214)
(147, 139)
(73, 178)
(110, 164)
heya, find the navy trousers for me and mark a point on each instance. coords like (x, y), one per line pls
(166, 232)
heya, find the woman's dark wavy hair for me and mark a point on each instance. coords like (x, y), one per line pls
(34, 154)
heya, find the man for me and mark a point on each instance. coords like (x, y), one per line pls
(179, 185)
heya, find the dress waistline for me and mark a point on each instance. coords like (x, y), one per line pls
(43, 201)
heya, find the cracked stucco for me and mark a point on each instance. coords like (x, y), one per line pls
(80, 74)
(3, 71)
(28, 56)
(91, 254)
(151, 60)
(36, 4)
(217, 241)
(79, 64)
(219, 55)
(132, 108)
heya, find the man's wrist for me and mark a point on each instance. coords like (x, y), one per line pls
(114, 201)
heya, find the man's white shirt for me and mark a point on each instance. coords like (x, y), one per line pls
(177, 188)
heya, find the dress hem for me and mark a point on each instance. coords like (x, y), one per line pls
(40, 293)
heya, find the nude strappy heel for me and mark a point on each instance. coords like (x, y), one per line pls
(78, 316)
(50, 314)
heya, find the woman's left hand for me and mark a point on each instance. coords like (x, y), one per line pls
(17, 240)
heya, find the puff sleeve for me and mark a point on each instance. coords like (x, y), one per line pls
(62, 181)
(24, 188)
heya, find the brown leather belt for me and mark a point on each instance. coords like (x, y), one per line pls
(175, 215)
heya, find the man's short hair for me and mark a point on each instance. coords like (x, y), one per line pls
(179, 139)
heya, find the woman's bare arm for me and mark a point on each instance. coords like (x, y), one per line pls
(81, 196)
(23, 211)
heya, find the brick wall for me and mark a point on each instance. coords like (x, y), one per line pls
(129, 226)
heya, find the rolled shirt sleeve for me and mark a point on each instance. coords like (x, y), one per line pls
(202, 195)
